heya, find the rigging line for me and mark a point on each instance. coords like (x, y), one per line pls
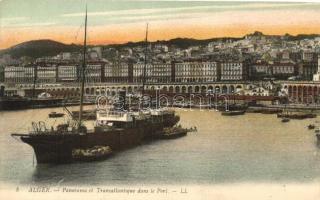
(145, 60)
(78, 31)
(83, 71)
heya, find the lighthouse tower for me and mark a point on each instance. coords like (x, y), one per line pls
(316, 77)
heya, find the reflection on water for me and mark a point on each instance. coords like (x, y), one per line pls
(252, 147)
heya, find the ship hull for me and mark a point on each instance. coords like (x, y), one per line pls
(25, 103)
(53, 148)
(14, 104)
(57, 148)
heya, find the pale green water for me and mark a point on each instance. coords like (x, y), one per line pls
(249, 148)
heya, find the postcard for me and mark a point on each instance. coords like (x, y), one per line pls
(159, 99)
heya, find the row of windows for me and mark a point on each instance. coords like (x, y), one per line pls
(190, 80)
(196, 73)
(227, 73)
(231, 78)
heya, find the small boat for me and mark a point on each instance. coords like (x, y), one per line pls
(233, 113)
(271, 111)
(95, 153)
(55, 115)
(285, 120)
(311, 126)
(296, 115)
(173, 133)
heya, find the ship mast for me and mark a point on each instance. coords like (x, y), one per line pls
(145, 61)
(82, 73)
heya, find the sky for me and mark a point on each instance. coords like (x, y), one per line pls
(120, 21)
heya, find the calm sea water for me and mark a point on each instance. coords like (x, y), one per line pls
(249, 148)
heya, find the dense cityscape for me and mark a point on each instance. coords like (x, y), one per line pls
(264, 65)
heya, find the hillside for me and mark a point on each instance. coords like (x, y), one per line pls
(178, 42)
(39, 48)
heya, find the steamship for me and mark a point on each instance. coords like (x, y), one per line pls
(117, 127)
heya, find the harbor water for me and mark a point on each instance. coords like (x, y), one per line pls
(226, 149)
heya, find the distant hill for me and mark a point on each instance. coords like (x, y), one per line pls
(302, 36)
(39, 48)
(178, 42)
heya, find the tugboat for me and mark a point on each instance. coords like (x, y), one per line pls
(116, 127)
(233, 113)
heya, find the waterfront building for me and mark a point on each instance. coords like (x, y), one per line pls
(284, 70)
(138, 71)
(302, 92)
(67, 73)
(94, 71)
(155, 73)
(234, 71)
(19, 74)
(158, 73)
(187, 72)
(117, 72)
(46, 74)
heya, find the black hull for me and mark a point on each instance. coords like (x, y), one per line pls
(55, 115)
(53, 148)
(14, 104)
(25, 103)
(296, 116)
(232, 113)
(46, 103)
(57, 148)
